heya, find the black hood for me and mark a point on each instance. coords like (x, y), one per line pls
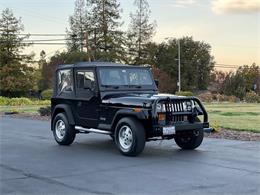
(134, 99)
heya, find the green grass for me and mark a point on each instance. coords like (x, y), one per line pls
(236, 116)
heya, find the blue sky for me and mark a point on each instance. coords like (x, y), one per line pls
(232, 27)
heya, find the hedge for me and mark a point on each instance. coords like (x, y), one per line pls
(47, 94)
(4, 101)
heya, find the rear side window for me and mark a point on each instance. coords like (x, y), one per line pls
(65, 83)
(85, 79)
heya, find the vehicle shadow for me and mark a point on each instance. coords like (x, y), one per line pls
(104, 145)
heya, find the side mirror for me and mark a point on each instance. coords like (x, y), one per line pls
(156, 82)
(88, 84)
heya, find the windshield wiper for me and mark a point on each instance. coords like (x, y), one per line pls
(110, 86)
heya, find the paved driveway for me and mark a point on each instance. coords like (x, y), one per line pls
(32, 163)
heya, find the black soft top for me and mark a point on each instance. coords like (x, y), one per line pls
(93, 64)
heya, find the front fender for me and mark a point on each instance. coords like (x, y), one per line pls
(143, 114)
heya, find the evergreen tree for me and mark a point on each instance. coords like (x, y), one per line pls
(16, 77)
(43, 69)
(140, 32)
(80, 24)
(108, 39)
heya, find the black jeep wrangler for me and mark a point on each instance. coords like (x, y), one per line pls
(122, 101)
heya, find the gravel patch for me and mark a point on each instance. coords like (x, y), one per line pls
(234, 135)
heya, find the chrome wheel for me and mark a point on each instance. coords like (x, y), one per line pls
(60, 129)
(125, 137)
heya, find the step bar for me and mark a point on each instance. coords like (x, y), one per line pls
(91, 130)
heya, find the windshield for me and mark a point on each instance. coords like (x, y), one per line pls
(125, 77)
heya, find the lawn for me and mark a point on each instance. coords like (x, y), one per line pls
(236, 116)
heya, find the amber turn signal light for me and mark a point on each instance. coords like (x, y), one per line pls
(161, 117)
(137, 109)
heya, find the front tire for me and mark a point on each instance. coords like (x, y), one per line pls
(189, 140)
(64, 134)
(130, 136)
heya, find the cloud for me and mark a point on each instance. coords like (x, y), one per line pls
(235, 6)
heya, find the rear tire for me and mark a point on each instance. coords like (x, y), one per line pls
(63, 132)
(189, 140)
(130, 136)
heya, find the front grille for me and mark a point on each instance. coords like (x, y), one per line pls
(173, 107)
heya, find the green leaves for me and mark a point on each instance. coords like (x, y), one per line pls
(16, 77)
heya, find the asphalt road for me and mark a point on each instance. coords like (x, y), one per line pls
(32, 163)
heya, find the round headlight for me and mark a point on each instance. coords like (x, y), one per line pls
(160, 107)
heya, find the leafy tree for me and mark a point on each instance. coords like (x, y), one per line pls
(164, 81)
(234, 84)
(242, 81)
(140, 32)
(251, 75)
(16, 77)
(217, 79)
(48, 68)
(196, 62)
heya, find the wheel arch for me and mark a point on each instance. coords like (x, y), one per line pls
(127, 113)
(62, 108)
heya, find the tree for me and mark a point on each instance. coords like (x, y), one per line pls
(80, 24)
(251, 75)
(43, 69)
(140, 31)
(217, 79)
(48, 68)
(94, 25)
(234, 84)
(16, 77)
(196, 62)
(242, 81)
(108, 39)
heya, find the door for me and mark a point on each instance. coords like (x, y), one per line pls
(87, 102)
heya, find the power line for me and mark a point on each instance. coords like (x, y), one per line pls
(35, 43)
(45, 40)
(43, 35)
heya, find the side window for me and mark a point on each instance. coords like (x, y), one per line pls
(85, 80)
(65, 83)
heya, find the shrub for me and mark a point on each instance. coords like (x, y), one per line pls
(19, 102)
(41, 102)
(215, 125)
(47, 94)
(206, 97)
(46, 111)
(184, 93)
(233, 98)
(4, 101)
(252, 97)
